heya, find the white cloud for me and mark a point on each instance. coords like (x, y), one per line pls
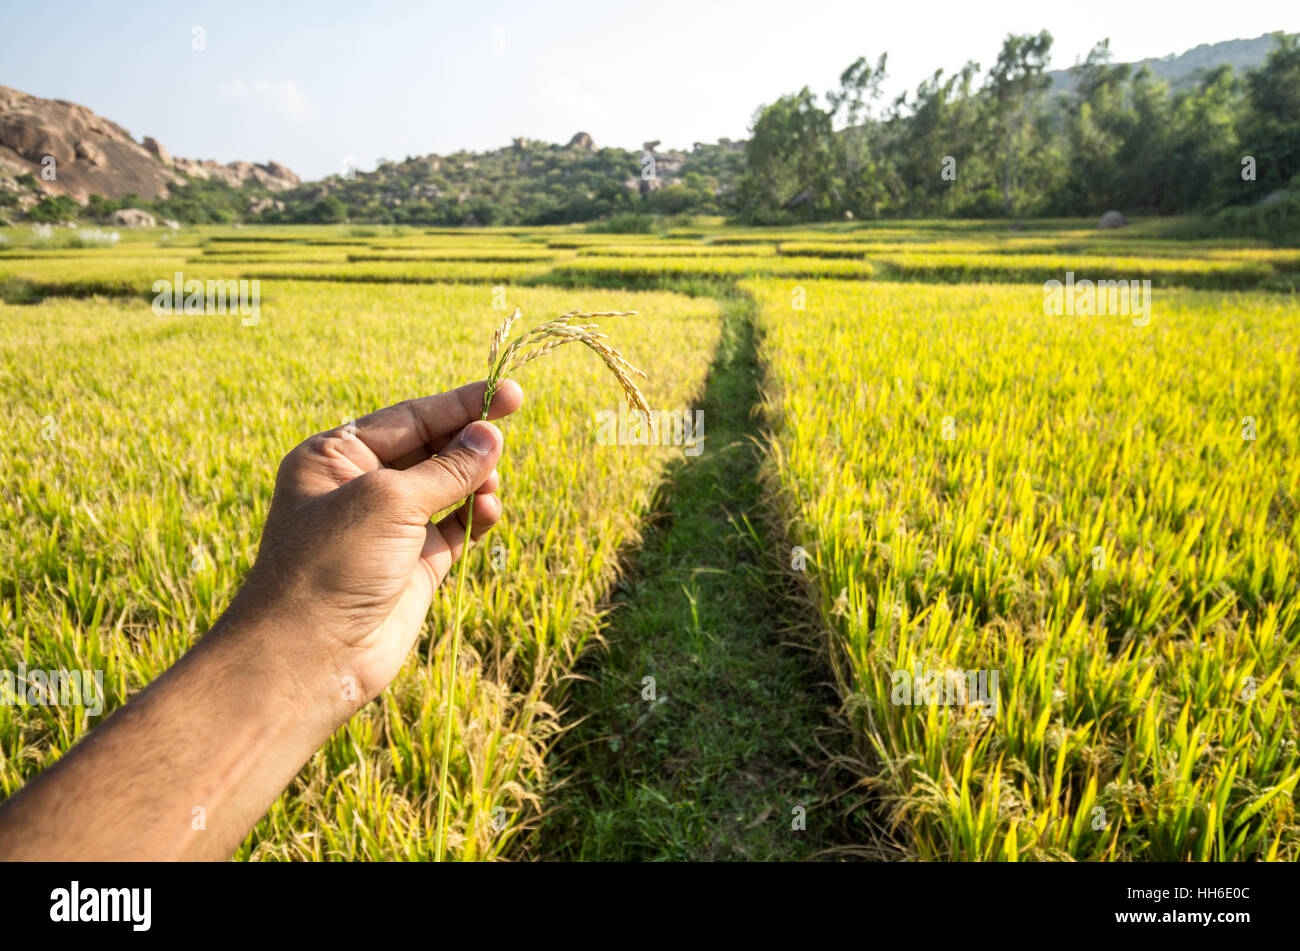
(282, 98)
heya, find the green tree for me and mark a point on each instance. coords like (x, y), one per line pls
(791, 160)
(1014, 87)
(1271, 128)
(329, 210)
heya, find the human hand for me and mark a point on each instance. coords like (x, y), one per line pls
(349, 558)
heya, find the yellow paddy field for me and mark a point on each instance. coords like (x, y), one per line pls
(1050, 562)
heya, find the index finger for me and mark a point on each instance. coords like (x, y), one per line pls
(412, 430)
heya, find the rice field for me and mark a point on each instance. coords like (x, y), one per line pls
(1101, 514)
(1050, 563)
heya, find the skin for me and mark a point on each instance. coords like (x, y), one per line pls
(345, 573)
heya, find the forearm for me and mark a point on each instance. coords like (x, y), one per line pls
(185, 769)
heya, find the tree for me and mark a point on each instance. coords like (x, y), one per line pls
(791, 159)
(943, 123)
(1271, 130)
(1014, 86)
(328, 211)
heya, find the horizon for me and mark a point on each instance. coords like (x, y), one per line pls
(263, 99)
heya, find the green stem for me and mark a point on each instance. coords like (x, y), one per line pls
(451, 681)
(455, 654)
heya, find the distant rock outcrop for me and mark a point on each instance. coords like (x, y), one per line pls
(71, 151)
(581, 140)
(273, 175)
(1112, 219)
(133, 218)
(155, 148)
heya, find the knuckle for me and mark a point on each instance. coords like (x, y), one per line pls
(382, 487)
(293, 459)
(315, 445)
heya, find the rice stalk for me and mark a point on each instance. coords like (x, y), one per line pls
(543, 339)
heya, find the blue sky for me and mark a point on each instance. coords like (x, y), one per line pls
(312, 84)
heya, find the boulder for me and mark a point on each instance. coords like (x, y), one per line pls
(133, 218)
(154, 147)
(258, 205)
(581, 140)
(1112, 219)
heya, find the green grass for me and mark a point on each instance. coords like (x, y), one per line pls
(715, 765)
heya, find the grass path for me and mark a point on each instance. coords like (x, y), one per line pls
(716, 764)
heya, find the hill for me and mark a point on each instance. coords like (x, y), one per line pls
(1186, 69)
(52, 149)
(526, 182)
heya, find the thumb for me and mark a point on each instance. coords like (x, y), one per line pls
(462, 466)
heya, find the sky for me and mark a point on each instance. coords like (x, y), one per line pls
(316, 85)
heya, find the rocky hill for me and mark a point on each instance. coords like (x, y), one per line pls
(527, 181)
(51, 147)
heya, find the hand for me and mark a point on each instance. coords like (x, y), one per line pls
(349, 558)
(348, 565)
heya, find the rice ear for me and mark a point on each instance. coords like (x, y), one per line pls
(553, 334)
(500, 335)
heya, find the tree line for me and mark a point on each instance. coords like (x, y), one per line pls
(1001, 146)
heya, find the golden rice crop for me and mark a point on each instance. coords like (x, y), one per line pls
(726, 267)
(675, 249)
(473, 253)
(133, 493)
(1103, 514)
(506, 355)
(401, 271)
(958, 268)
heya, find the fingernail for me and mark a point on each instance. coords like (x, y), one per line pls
(478, 436)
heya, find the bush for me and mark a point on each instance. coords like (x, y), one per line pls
(328, 211)
(1278, 223)
(99, 207)
(53, 209)
(630, 222)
